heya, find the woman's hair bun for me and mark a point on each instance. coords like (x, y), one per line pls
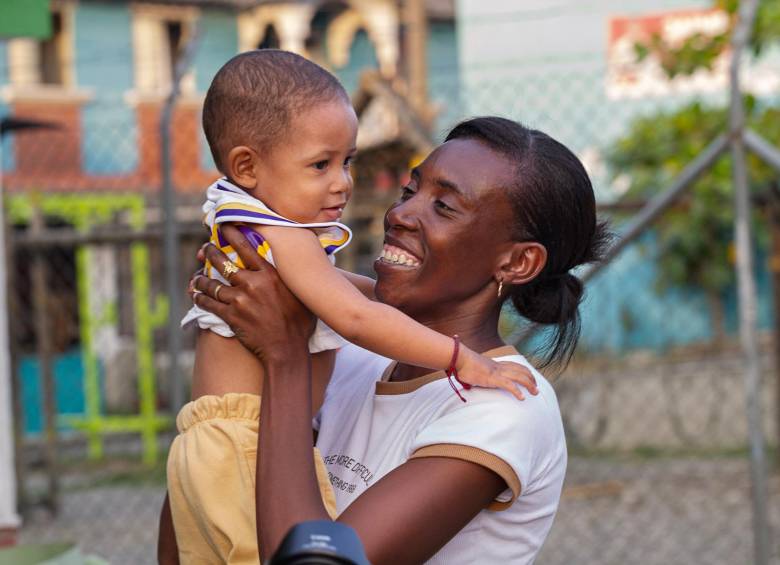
(552, 299)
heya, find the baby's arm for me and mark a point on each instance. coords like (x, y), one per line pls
(305, 269)
(363, 284)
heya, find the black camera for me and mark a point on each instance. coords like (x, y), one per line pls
(320, 542)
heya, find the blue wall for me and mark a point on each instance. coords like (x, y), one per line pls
(622, 311)
(68, 374)
(7, 149)
(361, 56)
(104, 65)
(104, 58)
(443, 77)
(218, 43)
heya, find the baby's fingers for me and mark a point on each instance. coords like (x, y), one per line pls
(510, 386)
(519, 375)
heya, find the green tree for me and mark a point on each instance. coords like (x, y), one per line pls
(700, 51)
(694, 240)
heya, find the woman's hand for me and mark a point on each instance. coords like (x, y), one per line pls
(265, 316)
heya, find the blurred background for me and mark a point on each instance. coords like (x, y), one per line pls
(103, 169)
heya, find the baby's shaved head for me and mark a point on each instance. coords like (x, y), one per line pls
(254, 96)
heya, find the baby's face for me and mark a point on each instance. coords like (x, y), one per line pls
(307, 176)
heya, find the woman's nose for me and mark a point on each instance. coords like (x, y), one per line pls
(402, 214)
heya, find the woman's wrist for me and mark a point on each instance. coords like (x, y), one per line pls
(289, 358)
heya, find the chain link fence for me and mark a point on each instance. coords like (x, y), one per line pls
(653, 403)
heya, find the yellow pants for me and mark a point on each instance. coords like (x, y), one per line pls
(211, 480)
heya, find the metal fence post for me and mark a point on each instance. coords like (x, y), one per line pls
(746, 287)
(40, 282)
(171, 231)
(649, 213)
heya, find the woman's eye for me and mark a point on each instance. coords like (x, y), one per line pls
(442, 206)
(406, 193)
(321, 165)
(347, 162)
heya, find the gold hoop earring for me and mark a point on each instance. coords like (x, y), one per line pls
(500, 287)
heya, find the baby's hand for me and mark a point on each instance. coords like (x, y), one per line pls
(478, 370)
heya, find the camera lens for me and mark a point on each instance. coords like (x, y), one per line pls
(320, 542)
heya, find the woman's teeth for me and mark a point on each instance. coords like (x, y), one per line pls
(396, 256)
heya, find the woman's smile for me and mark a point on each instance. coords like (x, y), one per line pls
(396, 255)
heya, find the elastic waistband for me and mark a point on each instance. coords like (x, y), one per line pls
(232, 406)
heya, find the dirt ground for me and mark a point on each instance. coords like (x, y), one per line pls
(614, 511)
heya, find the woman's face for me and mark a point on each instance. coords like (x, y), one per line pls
(443, 235)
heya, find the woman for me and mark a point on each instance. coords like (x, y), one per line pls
(497, 212)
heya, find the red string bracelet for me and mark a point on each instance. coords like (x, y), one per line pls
(452, 370)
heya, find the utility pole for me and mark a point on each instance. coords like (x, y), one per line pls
(10, 480)
(746, 285)
(773, 215)
(171, 229)
(9, 519)
(415, 21)
(44, 351)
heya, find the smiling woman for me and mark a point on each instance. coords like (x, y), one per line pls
(498, 211)
(284, 194)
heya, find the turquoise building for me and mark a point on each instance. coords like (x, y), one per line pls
(97, 85)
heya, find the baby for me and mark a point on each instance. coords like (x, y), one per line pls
(282, 131)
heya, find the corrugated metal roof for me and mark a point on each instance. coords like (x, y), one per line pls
(437, 9)
(441, 9)
(218, 3)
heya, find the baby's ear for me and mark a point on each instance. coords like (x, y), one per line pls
(240, 165)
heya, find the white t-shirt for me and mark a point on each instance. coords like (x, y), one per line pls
(368, 427)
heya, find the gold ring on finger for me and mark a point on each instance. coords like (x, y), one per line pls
(229, 268)
(216, 292)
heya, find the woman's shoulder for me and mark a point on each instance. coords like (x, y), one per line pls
(493, 417)
(524, 436)
(544, 404)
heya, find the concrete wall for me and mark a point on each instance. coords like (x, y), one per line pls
(679, 402)
(529, 35)
(545, 65)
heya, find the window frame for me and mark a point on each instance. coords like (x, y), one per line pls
(24, 59)
(152, 74)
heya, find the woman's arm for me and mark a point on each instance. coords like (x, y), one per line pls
(440, 495)
(423, 503)
(305, 269)
(167, 549)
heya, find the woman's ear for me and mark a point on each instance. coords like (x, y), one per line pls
(242, 166)
(523, 262)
